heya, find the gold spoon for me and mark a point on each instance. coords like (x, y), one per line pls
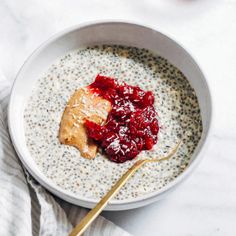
(93, 214)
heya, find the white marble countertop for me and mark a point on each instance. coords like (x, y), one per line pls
(205, 204)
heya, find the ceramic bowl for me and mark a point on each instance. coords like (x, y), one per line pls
(123, 33)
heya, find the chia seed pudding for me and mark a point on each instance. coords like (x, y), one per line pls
(175, 101)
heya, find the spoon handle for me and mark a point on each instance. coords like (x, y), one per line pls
(92, 215)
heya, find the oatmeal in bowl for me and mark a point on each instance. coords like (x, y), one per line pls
(97, 109)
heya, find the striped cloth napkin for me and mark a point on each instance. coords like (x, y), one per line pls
(26, 207)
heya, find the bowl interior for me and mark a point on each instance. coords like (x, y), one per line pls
(100, 33)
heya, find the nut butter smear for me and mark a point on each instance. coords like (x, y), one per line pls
(83, 105)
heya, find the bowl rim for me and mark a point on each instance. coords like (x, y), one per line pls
(87, 202)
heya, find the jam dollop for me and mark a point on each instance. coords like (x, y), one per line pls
(131, 125)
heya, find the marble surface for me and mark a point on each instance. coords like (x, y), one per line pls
(205, 204)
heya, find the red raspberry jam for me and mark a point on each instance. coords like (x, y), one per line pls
(131, 125)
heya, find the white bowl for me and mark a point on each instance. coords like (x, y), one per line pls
(123, 33)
